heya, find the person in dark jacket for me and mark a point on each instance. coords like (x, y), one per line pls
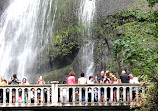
(124, 77)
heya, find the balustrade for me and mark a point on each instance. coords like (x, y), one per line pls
(55, 94)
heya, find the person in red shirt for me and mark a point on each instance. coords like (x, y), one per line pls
(71, 80)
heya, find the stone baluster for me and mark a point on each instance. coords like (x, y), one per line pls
(10, 96)
(111, 94)
(67, 94)
(80, 94)
(4, 96)
(73, 95)
(17, 95)
(48, 95)
(35, 101)
(105, 95)
(137, 92)
(29, 96)
(143, 91)
(23, 94)
(61, 95)
(118, 93)
(124, 94)
(86, 94)
(130, 93)
(92, 95)
(99, 93)
(42, 96)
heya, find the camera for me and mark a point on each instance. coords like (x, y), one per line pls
(13, 79)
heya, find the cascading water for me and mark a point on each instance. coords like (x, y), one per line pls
(25, 28)
(86, 16)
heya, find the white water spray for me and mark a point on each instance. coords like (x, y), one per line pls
(86, 16)
(25, 27)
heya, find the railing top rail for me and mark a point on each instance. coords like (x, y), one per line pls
(66, 85)
(30, 85)
(122, 84)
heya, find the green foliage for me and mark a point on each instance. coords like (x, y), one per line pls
(65, 41)
(152, 2)
(139, 42)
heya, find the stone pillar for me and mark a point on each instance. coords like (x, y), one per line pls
(54, 87)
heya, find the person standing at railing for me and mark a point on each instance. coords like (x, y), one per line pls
(125, 79)
(82, 80)
(115, 89)
(25, 82)
(32, 95)
(14, 81)
(71, 80)
(40, 81)
(101, 81)
(90, 81)
(3, 82)
(133, 80)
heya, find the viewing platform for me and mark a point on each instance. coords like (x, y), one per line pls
(63, 95)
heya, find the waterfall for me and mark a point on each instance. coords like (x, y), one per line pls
(25, 29)
(86, 15)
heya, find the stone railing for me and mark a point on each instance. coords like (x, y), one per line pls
(55, 94)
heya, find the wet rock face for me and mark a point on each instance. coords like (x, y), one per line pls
(3, 5)
(108, 7)
(103, 53)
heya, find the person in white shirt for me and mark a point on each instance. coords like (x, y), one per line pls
(133, 80)
(90, 81)
(82, 80)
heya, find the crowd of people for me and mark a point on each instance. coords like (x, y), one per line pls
(104, 78)
(14, 80)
